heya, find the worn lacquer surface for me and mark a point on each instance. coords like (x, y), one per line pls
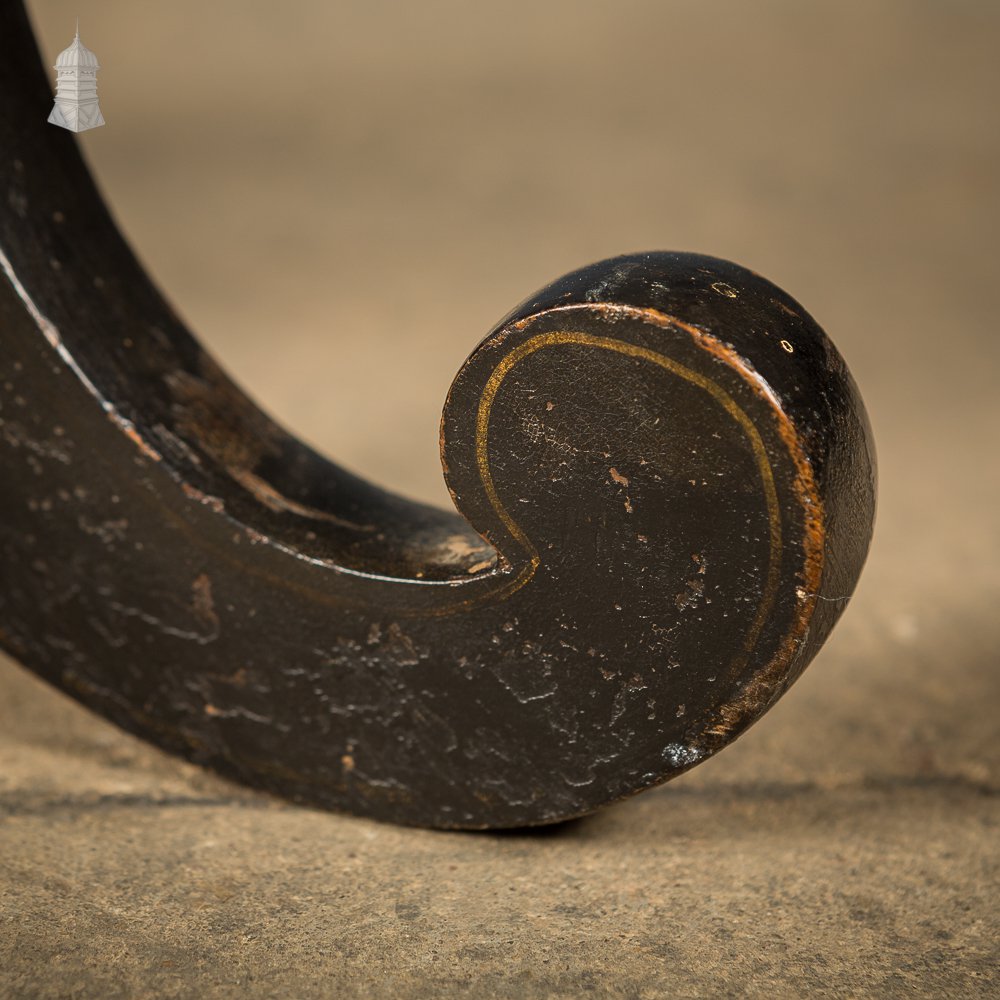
(666, 484)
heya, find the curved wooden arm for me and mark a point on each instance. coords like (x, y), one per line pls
(666, 476)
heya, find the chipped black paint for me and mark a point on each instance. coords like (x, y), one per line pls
(666, 452)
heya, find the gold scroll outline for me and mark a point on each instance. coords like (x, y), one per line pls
(560, 337)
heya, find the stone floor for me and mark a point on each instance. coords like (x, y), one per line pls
(401, 178)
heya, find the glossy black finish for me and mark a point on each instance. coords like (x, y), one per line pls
(666, 463)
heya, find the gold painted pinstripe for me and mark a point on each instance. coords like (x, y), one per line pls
(562, 338)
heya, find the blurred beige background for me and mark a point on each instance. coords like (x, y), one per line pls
(342, 199)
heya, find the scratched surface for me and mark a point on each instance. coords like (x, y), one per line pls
(189, 570)
(847, 845)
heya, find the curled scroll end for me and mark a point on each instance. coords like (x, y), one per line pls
(676, 468)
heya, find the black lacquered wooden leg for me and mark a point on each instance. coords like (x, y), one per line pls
(665, 483)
